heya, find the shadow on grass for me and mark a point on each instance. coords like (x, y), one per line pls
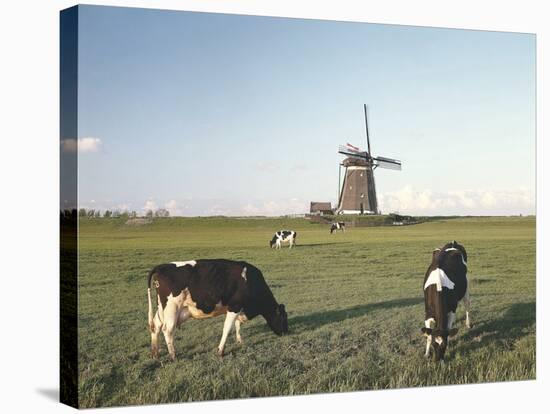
(317, 319)
(513, 325)
(320, 244)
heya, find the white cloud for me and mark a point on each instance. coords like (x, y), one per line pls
(464, 202)
(173, 208)
(83, 145)
(150, 204)
(275, 208)
(266, 166)
(299, 167)
(123, 207)
(217, 210)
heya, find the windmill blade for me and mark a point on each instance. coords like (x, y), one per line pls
(346, 150)
(367, 129)
(388, 163)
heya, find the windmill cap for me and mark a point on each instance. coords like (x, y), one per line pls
(348, 162)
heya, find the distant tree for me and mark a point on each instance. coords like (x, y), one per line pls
(116, 214)
(91, 213)
(97, 214)
(149, 213)
(133, 214)
(82, 212)
(124, 214)
(107, 214)
(162, 212)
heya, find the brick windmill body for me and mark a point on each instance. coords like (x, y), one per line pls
(357, 195)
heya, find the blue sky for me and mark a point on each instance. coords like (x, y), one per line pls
(223, 114)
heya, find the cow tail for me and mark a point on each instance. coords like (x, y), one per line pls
(150, 301)
(160, 310)
(150, 314)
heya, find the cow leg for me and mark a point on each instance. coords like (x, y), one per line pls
(241, 318)
(466, 302)
(238, 330)
(451, 316)
(228, 324)
(154, 326)
(169, 327)
(155, 329)
(428, 346)
(428, 324)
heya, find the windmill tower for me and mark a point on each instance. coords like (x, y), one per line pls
(358, 192)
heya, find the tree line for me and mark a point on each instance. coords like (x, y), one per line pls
(96, 213)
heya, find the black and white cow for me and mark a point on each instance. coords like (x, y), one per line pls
(339, 225)
(445, 284)
(283, 236)
(202, 289)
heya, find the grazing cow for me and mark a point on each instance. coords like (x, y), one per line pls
(283, 236)
(339, 225)
(445, 284)
(202, 289)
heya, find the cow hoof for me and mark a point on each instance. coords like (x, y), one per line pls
(155, 354)
(219, 352)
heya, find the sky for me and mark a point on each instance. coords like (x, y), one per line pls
(215, 114)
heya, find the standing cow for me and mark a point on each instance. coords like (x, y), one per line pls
(202, 289)
(445, 284)
(339, 225)
(283, 236)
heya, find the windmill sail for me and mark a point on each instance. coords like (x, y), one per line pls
(388, 163)
(352, 151)
(367, 127)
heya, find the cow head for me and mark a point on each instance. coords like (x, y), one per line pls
(454, 244)
(273, 241)
(439, 340)
(278, 322)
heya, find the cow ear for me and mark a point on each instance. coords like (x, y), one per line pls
(426, 331)
(453, 331)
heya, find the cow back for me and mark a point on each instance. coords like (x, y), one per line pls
(235, 284)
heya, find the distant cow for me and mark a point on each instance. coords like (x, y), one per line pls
(340, 225)
(283, 236)
(202, 289)
(445, 284)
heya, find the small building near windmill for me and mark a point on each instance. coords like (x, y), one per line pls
(320, 208)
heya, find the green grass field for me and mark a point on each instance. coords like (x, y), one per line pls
(354, 300)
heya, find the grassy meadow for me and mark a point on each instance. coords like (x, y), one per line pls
(354, 302)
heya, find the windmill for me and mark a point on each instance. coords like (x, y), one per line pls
(358, 192)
